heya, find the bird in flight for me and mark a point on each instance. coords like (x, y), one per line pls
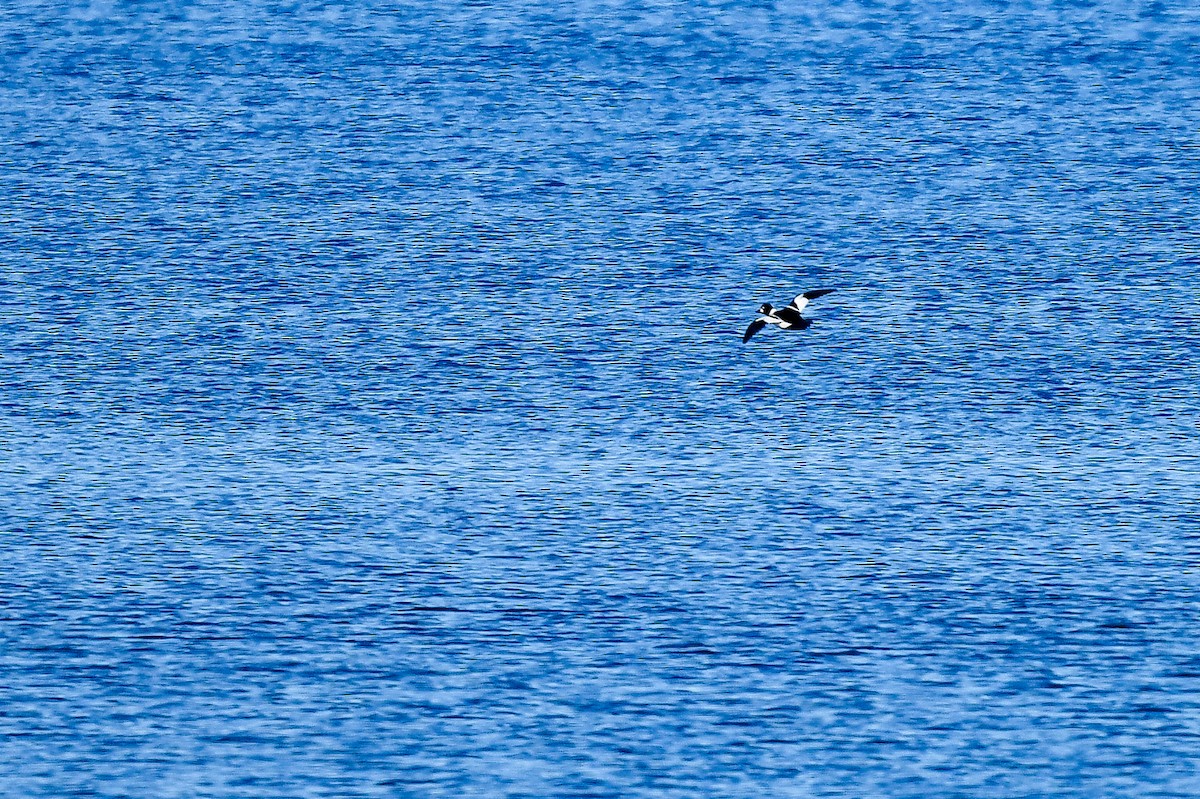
(788, 318)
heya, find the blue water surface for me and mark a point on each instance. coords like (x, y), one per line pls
(375, 421)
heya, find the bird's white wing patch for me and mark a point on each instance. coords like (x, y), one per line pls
(800, 302)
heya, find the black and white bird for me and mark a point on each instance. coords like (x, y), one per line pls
(788, 318)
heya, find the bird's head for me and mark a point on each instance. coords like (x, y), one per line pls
(765, 309)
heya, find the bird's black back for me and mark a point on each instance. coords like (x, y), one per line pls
(792, 317)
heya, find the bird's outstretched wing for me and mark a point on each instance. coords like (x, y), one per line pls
(802, 300)
(755, 326)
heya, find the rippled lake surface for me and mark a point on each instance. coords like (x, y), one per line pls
(375, 421)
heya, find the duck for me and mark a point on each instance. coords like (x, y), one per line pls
(788, 318)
